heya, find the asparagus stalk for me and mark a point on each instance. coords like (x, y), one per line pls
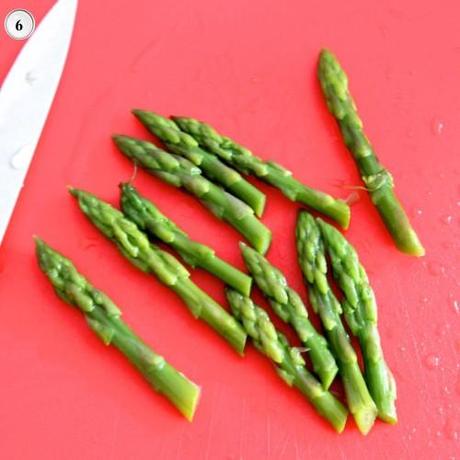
(378, 180)
(268, 171)
(149, 258)
(183, 144)
(288, 361)
(360, 311)
(312, 261)
(149, 219)
(180, 172)
(104, 318)
(288, 305)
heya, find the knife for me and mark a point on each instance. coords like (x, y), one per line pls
(26, 97)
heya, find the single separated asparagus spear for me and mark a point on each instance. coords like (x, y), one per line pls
(180, 172)
(148, 218)
(288, 305)
(183, 144)
(268, 171)
(378, 180)
(289, 363)
(103, 317)
(135, 246)
(312, 261)
(360, 310)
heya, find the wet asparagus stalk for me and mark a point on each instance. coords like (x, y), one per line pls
(149, 258)
(360, 309)
(288, 361)
(104, 319)
(312, 261)
(378, 180)
(180, 172)
(183, 144)
(149, 219)
(244, 161)
(288, 305)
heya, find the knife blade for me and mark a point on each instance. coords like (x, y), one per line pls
(26, 97)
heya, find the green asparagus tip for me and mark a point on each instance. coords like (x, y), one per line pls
(73, 191)
(146, 117)
(327, 58)
(138, 112)
(122, 142)
(39, 243)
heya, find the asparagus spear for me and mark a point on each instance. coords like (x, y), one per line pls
(378, 180)
(148, 218)
(312, 260)
(183, 144)
(135, 246)
(268, 171)
(103, 317)
(180, 172)
(360, 310)
(289, 363)
(289, 307)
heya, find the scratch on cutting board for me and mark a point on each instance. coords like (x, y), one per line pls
(179, 444)
(87, 121)
(342, 453)
(212, 422)
(242, 429)
(116, 423)
(409, 330)
(144, 52)
(296, 446)
(284, 445)
(409, 327)
(268, 432)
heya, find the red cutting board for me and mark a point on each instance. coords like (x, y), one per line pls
(249, 68)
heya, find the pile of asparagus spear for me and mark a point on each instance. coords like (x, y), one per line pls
(213, 168)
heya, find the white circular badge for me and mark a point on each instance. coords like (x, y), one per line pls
(19, 24)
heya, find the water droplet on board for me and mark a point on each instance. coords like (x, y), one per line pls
(443, 329)
(456, 306)
(436, 269)
(447, 219)
(437, 127)
(451, 430)
(432, 361)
